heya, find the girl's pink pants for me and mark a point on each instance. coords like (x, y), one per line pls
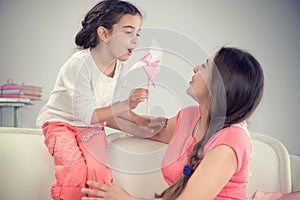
(79, 155)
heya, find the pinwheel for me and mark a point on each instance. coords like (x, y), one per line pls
(152, 68)
(151, 64)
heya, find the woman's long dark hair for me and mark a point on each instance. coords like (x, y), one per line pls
(106, 13)
(236, 89)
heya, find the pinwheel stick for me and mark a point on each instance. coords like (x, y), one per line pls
(147, 101)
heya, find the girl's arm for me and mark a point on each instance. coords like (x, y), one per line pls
(159, 129)
(106, 113)
(138, 125)
(214, 171)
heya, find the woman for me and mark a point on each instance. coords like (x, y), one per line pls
(228, 88)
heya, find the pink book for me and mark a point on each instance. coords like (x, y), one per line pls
(20, 96)
(25, 92)
(20, 87)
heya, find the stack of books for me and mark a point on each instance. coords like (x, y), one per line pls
(21, 91)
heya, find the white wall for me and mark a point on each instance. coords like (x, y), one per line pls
(37, 37)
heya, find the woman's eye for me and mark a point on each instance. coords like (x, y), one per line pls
(138, 34)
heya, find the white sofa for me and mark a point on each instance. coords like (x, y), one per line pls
(27, 171)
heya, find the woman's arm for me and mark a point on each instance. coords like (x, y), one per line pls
(214, 171)
(165, 135)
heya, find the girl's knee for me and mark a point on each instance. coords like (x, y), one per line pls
(66, 193)
(73, 175)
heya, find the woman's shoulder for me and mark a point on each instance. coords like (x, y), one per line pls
(235, 132)
(188, 114)
(230, 135)
(191, 111)
(233, 136)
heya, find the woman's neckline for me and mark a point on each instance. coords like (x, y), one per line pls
(196, 127)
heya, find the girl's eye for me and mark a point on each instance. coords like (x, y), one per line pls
(131, 33)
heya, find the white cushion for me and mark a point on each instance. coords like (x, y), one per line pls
(135, 164)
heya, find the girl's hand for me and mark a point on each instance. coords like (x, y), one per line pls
(137, 96)
(106, 192)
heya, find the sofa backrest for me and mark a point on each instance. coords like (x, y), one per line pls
(27, 170)
(26, 167)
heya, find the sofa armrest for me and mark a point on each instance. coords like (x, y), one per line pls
(295, 172)
(270, 166)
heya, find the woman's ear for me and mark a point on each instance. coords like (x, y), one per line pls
(102, 33)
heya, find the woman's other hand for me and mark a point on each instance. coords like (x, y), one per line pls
(110, 191)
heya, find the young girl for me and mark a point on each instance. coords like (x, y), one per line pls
(209, 149)
(83, 97)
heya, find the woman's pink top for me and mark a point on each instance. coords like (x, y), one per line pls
(239, 140)
(182, 144)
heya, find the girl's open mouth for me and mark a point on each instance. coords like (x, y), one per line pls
(130, 51)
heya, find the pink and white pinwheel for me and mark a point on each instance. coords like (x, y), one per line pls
(152, 68)
(151, 64)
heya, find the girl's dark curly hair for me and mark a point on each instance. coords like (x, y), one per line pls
(106, 13)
